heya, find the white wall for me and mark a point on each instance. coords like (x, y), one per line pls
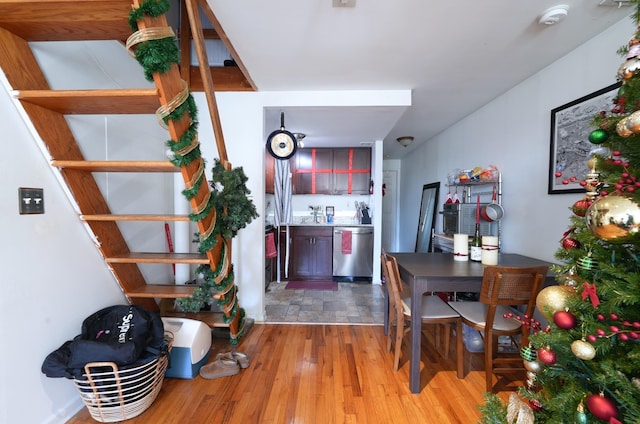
(52, 278)
(512, 132)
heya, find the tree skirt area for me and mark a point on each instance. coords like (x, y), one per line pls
(312, 285)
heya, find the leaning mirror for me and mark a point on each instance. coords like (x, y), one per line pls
(427, 220)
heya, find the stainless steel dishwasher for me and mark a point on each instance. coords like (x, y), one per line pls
(358, 263)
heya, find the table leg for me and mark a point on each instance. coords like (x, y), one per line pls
(416, 337)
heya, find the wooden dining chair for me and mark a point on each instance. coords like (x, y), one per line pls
(434, 311)
(503, 288)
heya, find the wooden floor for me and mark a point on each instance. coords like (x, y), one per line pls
(322, 374)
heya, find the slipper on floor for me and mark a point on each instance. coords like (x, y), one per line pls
(241, 358)
(221, 367)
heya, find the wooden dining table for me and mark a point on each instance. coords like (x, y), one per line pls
(439, 272)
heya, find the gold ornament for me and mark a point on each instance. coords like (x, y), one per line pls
(622, 129)
(592, 163)
(571, 279)
(628, 68)
(633, 122)
(518, 411)
(583, 350)
(615, 219)
(554, 298)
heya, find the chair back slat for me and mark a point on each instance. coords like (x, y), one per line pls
(511, 285)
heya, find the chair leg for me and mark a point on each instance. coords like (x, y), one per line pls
(398, 348)
(488, 360)
(459, 350)
(447, 338)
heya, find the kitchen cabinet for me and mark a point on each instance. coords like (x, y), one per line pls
(332, 171)
(270, 173)
(311, 253)
(351, 171)
(313, 171)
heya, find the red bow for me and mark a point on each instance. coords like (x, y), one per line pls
(613, 420)
(590, 290)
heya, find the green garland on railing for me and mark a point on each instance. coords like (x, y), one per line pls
(229, 194)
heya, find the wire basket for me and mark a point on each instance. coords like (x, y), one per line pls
(112, 394)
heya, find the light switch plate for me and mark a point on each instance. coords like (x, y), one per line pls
(30, 200)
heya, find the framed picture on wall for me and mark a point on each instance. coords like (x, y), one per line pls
(570, 145)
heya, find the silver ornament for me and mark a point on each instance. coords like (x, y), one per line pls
(614, 218)
(532, 366)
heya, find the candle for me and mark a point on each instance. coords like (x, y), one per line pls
(489, 250)
(478, 210)
(460, 247)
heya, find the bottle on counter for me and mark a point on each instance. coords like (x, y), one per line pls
(475, 249)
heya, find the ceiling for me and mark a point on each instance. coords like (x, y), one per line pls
(454, 57)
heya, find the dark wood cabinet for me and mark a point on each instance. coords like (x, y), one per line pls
(351, 171)
(311, 253)
(332, 171)
(270, 173)
(313, 172)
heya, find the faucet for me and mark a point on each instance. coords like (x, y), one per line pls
(315, 210)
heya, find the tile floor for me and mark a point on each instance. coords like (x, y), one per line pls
(352, 303)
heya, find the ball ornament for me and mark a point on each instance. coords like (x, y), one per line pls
(615, 219)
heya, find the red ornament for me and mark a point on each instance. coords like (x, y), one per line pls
(602, 407)
(570, 243)
(565, 320)
(580, 207)
(547, 356)
(535, 404)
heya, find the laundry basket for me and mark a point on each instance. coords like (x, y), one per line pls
(114, 394)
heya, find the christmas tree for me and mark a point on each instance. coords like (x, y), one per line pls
(584, 367)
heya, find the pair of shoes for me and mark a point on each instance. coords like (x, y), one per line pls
(241, 358)
(221, 367)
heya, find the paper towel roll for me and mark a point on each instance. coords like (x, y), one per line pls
(489, 250)
(460, 247)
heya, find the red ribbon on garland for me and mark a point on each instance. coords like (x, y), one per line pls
(590, 291)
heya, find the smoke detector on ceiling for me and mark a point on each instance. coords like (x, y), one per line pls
(554, 14)
(344, 3)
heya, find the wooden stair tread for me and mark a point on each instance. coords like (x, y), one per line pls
(116, 166)
(159, 258)
(138, 217)
(164, 291)
(94, 102)
(66, 20)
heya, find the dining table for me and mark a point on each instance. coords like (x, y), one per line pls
(439, 272)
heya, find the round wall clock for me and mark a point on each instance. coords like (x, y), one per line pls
(281, 144)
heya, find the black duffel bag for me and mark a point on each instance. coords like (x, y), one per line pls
(122, 334)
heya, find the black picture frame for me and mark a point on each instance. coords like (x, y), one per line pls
(570, 146)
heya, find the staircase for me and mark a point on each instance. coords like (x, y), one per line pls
(22, 22)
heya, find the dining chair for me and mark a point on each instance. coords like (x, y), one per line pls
(503, 289)
(434, 311)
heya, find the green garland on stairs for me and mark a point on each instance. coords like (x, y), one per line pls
(229, 195)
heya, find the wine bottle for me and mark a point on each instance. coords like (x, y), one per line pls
(475, 251)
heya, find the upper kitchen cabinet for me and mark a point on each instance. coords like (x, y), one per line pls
(332, 171)
(312, 171)
(351, 171)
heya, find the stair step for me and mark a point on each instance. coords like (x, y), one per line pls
(108, 217)
(158, 258)
(94, 102)
(163, 291)
(66, 20)
(116, 166)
